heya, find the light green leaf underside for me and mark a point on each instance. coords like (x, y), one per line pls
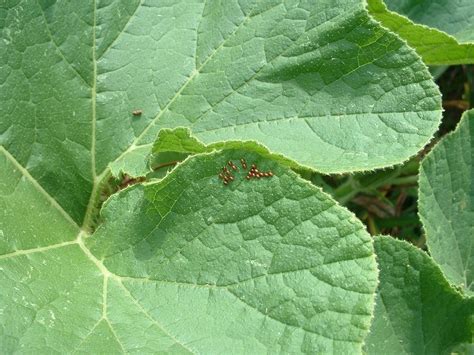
(317, 82)
(446, 203)
(179, 142)
(416, 311)
(190, 265)
(135, 163)
(441, 31)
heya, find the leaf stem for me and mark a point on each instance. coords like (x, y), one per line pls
(345, 192)
(366, 183)
(405, 180)
(159, 166)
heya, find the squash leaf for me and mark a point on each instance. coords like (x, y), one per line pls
(188, 264)
(417, 311)
(446, 203)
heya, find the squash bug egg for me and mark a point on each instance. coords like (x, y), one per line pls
(232, 165)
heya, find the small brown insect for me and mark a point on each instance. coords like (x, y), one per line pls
(248, 177)
(225, 182)
(244, 163)
(137, 112)
(230, 177)
(266, 174)
(221, 176)
(270, 174)
(254, 167)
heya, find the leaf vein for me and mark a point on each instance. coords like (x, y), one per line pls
(178, 93)
(143, 310)
(60, 52)
(36, 250)
(38, 187)
(291, 325)
(139, 4)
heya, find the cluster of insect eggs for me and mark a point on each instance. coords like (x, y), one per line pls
(227, 177)
(255, 173)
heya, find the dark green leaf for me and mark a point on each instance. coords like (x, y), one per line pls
(416, 311)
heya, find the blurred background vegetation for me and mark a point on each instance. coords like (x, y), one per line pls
(386, 200)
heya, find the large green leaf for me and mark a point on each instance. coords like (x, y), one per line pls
(416, 311)
(188, 264)
(316, 81)
(441, 31)
(446, 203)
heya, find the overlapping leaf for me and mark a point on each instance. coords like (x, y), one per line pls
(454, 17)
(416, 312)
(188, 264)
(441, 31)
(446, 203)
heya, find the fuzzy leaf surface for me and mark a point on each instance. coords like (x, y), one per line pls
(446, 203)
(417, 311)
(441, 31)
(187, 264)
(318, 82)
